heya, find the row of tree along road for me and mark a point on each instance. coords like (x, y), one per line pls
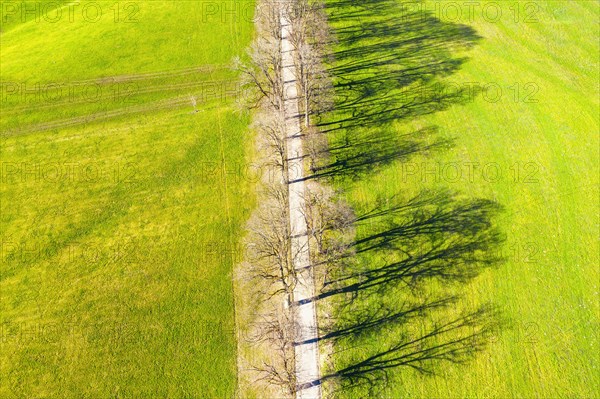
(376, 270)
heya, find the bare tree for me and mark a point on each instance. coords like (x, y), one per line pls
(264, 72)
(270, 253)
(310, 39)
(316, 147)
(279, 330)
(264, 69)
(269, 233)
(324, 212)
(271, 128)
(194, 103)
(330, 223)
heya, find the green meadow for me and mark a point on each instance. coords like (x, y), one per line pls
(123, 197)
(502, 107)
(124, 194)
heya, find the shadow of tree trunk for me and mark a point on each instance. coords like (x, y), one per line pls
(387, 66)
(397, 294)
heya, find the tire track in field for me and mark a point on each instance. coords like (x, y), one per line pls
(148, 90)
(175, 102)
(49, 89)
(98, 116)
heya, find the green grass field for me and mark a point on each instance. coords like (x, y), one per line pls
(119, 226)
(124, 191)
(528, 140)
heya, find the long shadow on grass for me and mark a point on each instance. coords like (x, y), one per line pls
(395, 295)
(425, 337)
(387, 64)
(432, 235)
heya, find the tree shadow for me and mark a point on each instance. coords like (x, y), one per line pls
(456, 340)
(395, 296)
(408, 267)
(432, 235)
(386, 64)
(353, 158)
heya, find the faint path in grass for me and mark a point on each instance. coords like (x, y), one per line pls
(127, 97)
(100, 116)
(232, 248)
